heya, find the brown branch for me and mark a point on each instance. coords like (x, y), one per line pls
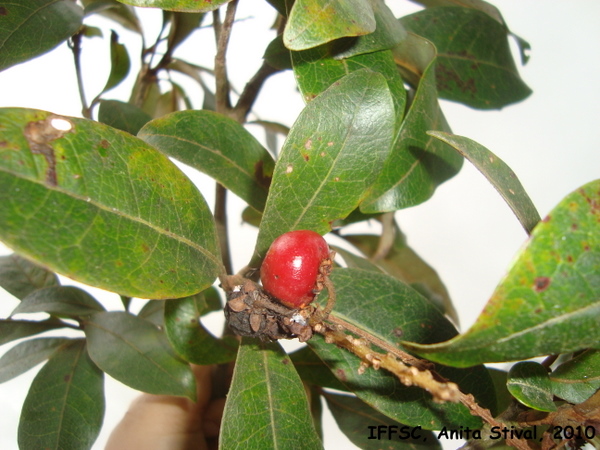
(441, 391)
(222, 34)
(400, 354)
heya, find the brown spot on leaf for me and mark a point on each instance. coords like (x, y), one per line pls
(104, 143)
(39, 136)
(3, 11)
(541, 284)
(306, 157)
(259, 173)
(341, 374)
(67, 378)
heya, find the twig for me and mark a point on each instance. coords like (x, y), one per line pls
(75, 45)
(409, 376)
(402, 355)
(388, 233)
(223, 32)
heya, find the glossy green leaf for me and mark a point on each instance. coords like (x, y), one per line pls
(179, 5)
(65, 404)
(388, 32)
(20, 277)
(577, 379)
(11, 330)
(417, 163)
(330, 157)
(136, 353)
(190, 340)
(498, 173)
(316, 22)
(360, 423)
(21, 24)
(390, 310)
(218, 146)
(403, 263)
(28, 354)
(528, 382)
(122, 116)
(67, 301)
(111, 9)
(319, 68)
(103, 207)
(266, 405)
(549, 302)
(474, 64)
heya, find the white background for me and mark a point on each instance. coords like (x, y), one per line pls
(466, 231)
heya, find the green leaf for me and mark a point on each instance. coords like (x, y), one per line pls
(190, 340)
(474, 64)
(218, 146)
(189, 6)
(330, 157)
(360, 423)
(549, 301)
(318, 69)
(136, 353)
(266, 405)
(119, 63)
(356, 262)
(20, 277)
(312, 370)
(403, 263)
(577, 379)
(28, 354)
(65, 404)
(30, 28)
(390, 310)
(528, 382)
(103, 207)
(122, 116)
(67, 301)
(417, 164)
(388, 32)
(11, 330)
(498, 173)
(153, 311)
(315, 22)
(479, 5)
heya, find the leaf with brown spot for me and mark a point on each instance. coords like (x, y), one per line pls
(123, 218)
(549, 302)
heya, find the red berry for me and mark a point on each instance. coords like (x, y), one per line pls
(292, 267)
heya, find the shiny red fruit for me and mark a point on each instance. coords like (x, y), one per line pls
(292, 267)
